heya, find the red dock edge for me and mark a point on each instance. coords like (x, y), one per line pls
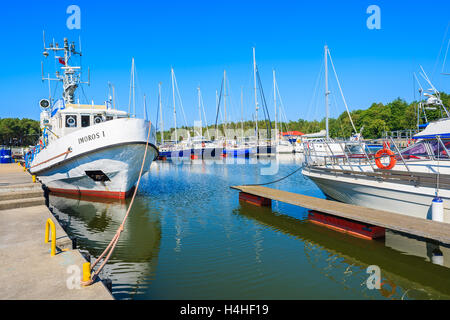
(256, 200)
(352, 227)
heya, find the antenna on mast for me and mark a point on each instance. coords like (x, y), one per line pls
(70, 75)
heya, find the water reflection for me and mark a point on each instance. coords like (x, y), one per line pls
(344, 259)
(94, 222)
(189, 224)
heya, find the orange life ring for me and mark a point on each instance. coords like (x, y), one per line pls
(385, 152)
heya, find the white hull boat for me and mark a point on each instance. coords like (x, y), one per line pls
(92, 150)
(405, 199)
(104, 160)
(407, 184)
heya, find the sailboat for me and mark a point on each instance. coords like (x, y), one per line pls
(87, 149)
(265, 146)
(282, 145)
(318, 148)
(231, 145)
(202, 147)
(176, 149)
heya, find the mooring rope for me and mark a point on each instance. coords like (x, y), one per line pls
(112, 245)
(266, 183)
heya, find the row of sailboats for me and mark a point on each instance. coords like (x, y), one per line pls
(224, 143)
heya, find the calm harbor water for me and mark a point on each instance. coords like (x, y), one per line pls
(189, 237)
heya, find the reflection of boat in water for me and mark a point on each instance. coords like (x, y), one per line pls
(94, 223)
(344, 259)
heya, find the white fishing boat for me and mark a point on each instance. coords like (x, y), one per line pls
(85, 148)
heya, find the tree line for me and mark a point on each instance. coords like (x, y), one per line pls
(19, 132)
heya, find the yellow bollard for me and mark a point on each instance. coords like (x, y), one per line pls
(51, 224)
(34, 178)
(86, 271)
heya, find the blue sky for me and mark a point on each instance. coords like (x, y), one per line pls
(202, 38)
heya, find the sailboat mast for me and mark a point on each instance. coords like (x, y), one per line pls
(160, 112)
(200, 112)
(225, 102)
(242, 113)
(204, 117)
(326, 91)
(256, 97)
(275, 104)
(174, 109)
(217, 130)
(134, 95)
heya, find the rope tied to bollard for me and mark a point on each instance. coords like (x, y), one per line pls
(112, 245)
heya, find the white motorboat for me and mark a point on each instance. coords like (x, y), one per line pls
(88, 149)
(285, 146)
(406, 185)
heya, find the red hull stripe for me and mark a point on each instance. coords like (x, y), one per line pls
(95, 193)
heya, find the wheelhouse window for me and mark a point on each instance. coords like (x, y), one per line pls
(98, 119)
(71, 121)
(85, 121)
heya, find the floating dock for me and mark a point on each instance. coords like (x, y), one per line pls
(433, 230)
(28, 269)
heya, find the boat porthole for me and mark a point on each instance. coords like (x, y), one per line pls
(97, 119)
(70, 121)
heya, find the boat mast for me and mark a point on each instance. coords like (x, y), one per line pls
(71, 76)
(132, 91)
(242, 113)
(160, 112)
(275, 104)
(217, 129)
(134, 94)
(326, 91)
(225, 103)
(204, 117)
(174, 110)
(200, 111)
(256, 97)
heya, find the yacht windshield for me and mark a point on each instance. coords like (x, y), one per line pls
(426, 148)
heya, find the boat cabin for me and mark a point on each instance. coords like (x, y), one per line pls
(62, 121)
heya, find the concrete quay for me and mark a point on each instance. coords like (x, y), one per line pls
(28, 271)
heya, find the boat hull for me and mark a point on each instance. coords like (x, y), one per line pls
(121, 165)
(403, 199)
(105, 165)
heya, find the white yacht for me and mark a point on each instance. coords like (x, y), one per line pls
(88, 149)
(407, 184)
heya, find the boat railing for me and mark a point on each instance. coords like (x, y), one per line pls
(29, 156)
(344, 157)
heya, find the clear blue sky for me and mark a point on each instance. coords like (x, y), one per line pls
(202, 38)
